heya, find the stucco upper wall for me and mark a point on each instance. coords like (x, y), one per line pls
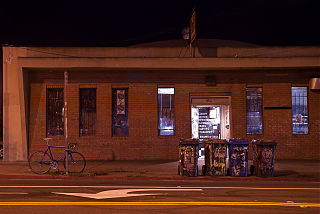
(168, 52)
(256, 52)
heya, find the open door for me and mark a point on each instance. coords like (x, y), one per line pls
(210, 121)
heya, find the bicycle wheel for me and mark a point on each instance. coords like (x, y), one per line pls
(39, 162)
(76, 162)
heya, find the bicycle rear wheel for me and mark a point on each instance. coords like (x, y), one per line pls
(76, 162)
(39, 162)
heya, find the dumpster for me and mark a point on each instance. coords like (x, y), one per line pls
(238, 153)
(263, 157)
(188, 157)
(216, 157)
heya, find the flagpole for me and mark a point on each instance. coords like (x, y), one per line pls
(66, 117)
(193, 32)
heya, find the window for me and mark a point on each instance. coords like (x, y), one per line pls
(254, 110)
(299, 110)
(120, 124)
(87, 112)
(166, 111)
(55, 105)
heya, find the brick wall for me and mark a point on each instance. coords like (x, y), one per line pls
(143, 141)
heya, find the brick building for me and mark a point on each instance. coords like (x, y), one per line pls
(137, 102)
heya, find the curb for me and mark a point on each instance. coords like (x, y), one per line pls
(204, 178)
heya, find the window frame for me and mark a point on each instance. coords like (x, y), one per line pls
(307, 109)
(262, 126)
(158, 112)
(47, 112)
(113, 109)
(94, 132)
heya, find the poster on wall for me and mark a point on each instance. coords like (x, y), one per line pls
(205, 124)
(121, 102)
(120, 124)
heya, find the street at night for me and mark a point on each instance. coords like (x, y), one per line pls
(162, 196)
(164, 106)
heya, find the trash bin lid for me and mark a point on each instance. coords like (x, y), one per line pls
(238, 141)
(215, 141)
(264, 142)
(189, 141)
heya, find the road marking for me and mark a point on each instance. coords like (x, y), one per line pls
(13, 193)
(121, 193)
(34, 179)
(191, 203)
(157, 187)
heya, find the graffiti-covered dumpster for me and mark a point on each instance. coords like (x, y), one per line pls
(188, 157)
(238, 153)
(263, 157)
(216, 157)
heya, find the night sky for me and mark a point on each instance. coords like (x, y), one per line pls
(129, 22)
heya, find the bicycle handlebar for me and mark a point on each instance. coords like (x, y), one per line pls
(70, 145)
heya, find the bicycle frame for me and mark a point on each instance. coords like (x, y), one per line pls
(51, 156)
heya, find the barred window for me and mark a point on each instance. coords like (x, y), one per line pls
(166, 111)
(54, 114)
(88, 111)
(300, 118)
(120, 124)
(254, 110)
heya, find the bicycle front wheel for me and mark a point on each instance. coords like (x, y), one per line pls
(39, 162)
(76, 162)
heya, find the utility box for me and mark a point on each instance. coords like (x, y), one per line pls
(188, 157)
(263, 157)
(238, 153)
(216, 157)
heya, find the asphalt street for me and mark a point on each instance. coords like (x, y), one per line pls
(160, 196)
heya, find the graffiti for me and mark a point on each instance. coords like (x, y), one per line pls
(264, 160)
(239, 160)
(188, 160)
(189, 154)
(220, 152)
(219, 162)
(215, 158)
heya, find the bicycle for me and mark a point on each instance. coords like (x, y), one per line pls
(41, 162)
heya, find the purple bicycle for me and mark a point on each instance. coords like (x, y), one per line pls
(41, 162)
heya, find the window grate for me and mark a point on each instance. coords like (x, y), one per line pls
(300, 119)
(165, 111)
(54, 114)
(254, 110)
(87, 112)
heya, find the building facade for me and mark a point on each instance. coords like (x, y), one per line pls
(138, 102)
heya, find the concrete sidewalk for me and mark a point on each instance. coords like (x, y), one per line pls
(308, 170)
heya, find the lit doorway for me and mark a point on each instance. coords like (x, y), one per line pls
(210, 119)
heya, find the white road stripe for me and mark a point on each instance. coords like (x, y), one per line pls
(13, 193)
(179, 187)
